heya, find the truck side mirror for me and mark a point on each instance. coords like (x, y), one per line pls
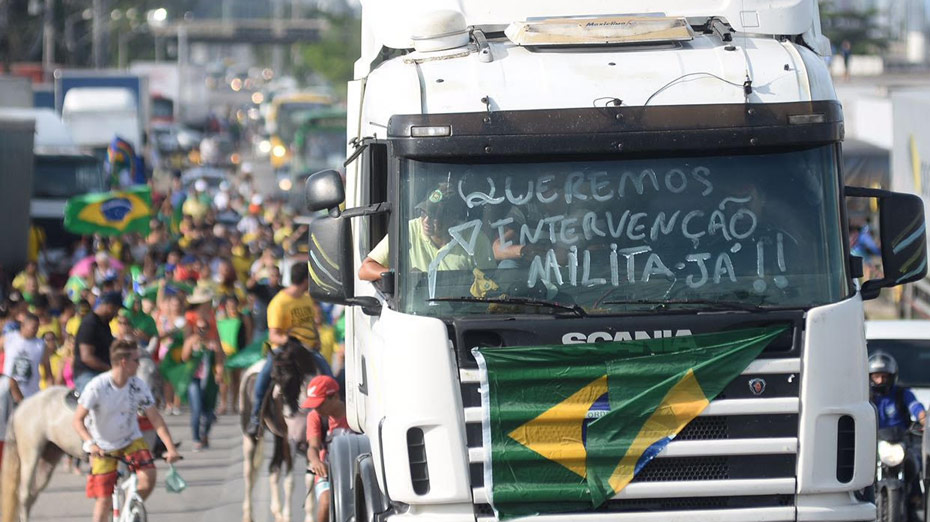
(332, 279)
(903, 234)
(324, 191)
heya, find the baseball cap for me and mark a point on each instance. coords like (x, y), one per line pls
(442, 198)
(320, 387)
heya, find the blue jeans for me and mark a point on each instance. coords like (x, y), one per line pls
(263, 379)
(200, 414)
(81, 380)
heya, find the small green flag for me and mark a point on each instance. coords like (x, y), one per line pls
(249, 355)
(569, 426)
(229, 334)
(110, 213)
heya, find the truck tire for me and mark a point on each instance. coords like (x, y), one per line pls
(341, 455)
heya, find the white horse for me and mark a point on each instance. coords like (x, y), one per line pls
(38, 434)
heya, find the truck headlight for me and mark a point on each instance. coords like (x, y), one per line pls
(279, 151)
(890, 453)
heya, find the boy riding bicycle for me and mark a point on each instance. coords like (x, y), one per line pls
(106, 419)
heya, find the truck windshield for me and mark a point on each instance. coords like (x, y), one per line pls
(621, 236)
(62, 178)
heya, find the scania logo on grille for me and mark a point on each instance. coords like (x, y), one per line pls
(600, 337)
(757, 386)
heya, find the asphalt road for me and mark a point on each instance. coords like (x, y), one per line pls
(214, 491)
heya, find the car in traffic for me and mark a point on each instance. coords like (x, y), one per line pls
(212, 176)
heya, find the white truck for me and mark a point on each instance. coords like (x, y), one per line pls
(655, 175)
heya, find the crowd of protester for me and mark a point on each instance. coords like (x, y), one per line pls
(192, 293)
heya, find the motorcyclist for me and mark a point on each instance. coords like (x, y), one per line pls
(896, 407)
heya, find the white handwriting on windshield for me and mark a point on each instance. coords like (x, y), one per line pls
(599, 228)
(598, 186)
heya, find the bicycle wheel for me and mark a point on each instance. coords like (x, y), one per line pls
(137, 511)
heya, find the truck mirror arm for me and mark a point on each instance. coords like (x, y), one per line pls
(367, 210)
(370, 305)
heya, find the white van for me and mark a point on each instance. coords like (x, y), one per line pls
(909, 343)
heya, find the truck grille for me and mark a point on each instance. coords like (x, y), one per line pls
(756, 466)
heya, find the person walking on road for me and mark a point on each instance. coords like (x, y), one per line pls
(107, 421)
(25, 352)
(202, 389)
(93, 340)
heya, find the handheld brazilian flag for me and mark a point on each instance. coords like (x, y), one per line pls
(110, 213)
(569, 426)
(124, 167)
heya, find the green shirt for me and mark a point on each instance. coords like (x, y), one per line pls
(422, 251)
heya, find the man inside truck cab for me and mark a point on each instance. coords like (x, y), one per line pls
(439, 211)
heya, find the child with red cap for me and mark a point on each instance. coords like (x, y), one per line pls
(326, 419)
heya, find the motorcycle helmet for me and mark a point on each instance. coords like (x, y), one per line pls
(880, 362)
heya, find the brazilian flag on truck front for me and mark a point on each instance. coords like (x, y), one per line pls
(110, 213)
(569, 426)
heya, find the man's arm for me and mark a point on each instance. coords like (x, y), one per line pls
(47, 364)
(313, 456)
(277, 336)
(89, 358)
(162, 430)
(15, 391)
(371, 270)
(78, 423)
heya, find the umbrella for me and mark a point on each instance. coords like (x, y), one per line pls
(82, 267)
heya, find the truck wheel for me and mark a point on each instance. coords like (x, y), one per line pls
(341, 455)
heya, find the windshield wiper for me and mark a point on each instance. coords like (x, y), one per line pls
(714, 305)
(529, 301)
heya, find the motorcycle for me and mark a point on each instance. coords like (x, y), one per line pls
(891, 488)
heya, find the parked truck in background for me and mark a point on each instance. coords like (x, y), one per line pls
(910, 172)
(654, 176)
(16, 142)
(186, 93)
(99, 105)
(61, 170)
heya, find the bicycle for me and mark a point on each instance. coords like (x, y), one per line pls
(128, 506)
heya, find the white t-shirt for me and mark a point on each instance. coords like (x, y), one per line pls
(113, 420)
(23, 357)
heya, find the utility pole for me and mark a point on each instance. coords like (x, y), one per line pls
(101, 21)
(277, 52)
(48, 40)
(182, 71)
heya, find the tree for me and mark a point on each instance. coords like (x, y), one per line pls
(858, 27)
(333, 56)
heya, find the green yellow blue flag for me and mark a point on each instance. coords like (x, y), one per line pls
(569, 426)
(110, 213)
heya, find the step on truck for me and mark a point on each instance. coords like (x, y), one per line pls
(553, 177)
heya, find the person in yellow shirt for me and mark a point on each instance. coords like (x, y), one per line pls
(31, 269)
(291, 313)
(36, 242)
(428, 234)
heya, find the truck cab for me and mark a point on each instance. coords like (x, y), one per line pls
(601, 178)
